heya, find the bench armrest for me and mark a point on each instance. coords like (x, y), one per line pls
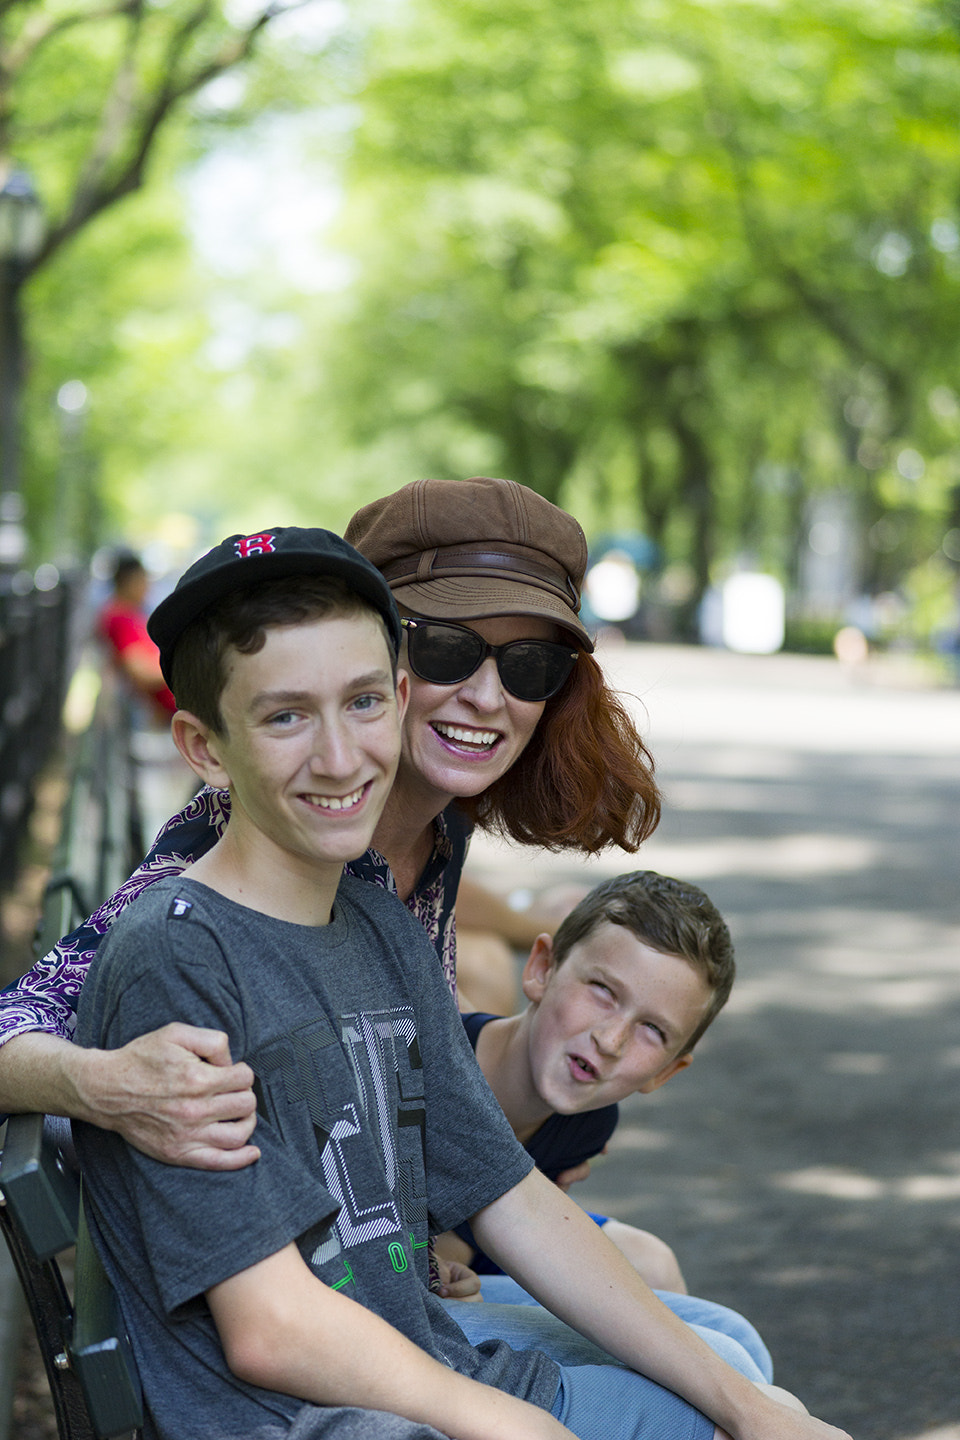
(43, 1193)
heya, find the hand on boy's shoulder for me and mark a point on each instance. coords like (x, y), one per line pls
(176, 1095)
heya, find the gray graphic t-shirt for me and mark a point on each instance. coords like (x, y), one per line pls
(375, 1127)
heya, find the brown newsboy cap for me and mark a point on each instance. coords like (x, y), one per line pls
(473, 549)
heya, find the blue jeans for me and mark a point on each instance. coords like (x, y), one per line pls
(509, 1313)
(609, 1402)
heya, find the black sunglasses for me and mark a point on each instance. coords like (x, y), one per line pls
(445, 654)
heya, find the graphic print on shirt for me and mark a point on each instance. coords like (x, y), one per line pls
(384, 1106)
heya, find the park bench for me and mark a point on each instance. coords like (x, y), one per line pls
(86, 1353)
(85, 1350)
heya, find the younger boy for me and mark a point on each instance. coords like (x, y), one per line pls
(289, 1298)
(618, 999)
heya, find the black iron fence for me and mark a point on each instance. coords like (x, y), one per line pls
(101, 839)
(41, 638)
(37, 652)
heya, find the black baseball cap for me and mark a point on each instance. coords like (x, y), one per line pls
(242, 560)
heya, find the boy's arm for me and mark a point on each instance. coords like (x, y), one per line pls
(282, 1329)
(172, 1093)
(555, 1251)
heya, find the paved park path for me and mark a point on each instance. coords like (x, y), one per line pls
(806, 1169)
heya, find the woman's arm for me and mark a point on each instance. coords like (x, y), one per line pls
(281, 1328)
(173, 1094)
(45, 998)
(479, 908)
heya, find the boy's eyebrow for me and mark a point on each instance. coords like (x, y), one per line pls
(299, 697)
(278, 697)
(374, 677)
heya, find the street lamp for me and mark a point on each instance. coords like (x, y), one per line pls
(21, 235)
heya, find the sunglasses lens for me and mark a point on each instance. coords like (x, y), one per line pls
(443, 654)
(534, 669)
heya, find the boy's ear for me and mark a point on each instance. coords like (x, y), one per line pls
(198, 745)
(538, 969)
(403, 694)
(672, 1067)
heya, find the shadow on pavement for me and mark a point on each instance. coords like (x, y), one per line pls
(806, 1169)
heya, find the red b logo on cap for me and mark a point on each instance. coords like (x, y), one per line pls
(255, 545)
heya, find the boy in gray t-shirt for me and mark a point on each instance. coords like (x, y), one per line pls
(343, 1126)
(290, 1297)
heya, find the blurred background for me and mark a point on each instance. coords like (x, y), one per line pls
(690, 269)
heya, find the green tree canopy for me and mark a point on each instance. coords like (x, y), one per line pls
(96, 102)
(679, 263)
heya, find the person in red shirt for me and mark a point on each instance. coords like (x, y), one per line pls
(122, 624)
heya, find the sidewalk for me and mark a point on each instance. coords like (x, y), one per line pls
(806, 1169)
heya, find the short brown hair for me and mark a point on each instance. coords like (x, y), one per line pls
(672, 916)
(584, 781)
(240, 621)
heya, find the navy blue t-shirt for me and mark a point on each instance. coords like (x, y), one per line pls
(561, 1142)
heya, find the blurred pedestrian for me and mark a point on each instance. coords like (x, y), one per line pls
(122, 625)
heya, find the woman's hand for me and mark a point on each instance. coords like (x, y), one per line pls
(173, 1093)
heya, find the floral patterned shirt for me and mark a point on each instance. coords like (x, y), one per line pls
(45, 998)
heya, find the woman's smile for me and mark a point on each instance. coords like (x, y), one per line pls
(462, 739)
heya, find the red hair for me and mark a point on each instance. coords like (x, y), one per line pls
(584, 781)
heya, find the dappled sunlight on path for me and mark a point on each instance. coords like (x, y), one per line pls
(806, 1169)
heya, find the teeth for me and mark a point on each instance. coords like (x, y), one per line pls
(336, 802)
(466, 737)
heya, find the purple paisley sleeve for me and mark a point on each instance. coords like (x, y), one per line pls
(45, 998)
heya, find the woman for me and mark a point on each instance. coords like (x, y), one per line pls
(511, 728)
